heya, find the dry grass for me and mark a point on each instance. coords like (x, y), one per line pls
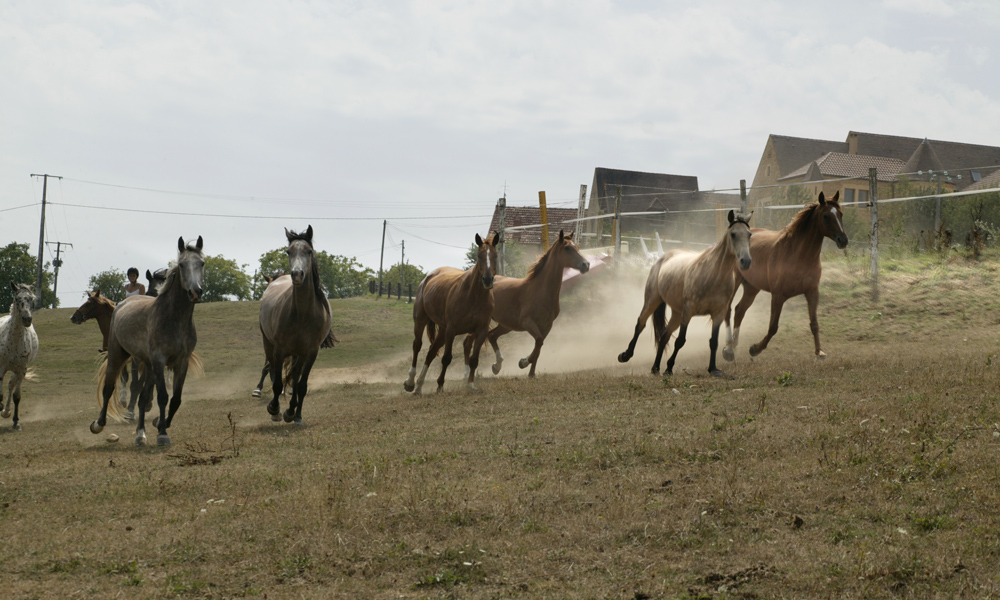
(872, 474)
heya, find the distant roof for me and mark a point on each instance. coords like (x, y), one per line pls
(531, 215)
(643, 191)
(987, 182)
(840, 164)
(956, 157)
(794, 152)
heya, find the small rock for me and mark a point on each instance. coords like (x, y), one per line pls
(112, 438)
(797, 522)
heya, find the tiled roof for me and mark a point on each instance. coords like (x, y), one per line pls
(642, 191)
(988, 182)
(955, 157)
(794, 152)
(517, 216)
(840, 164)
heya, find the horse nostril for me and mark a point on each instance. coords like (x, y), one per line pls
(584, 267)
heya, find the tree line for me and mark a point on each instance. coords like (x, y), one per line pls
(341, 276)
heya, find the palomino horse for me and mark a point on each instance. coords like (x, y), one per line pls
(100, 308)
(18, 347)
(295, 318)
(160, 333)
(532, 304)
(786, 264)
(693, 284)
(458, 302)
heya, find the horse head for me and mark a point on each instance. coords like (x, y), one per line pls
(24, 300)
(191, 268)
(87, 309)
(486, 258)
(568, 254)
(155, 279)
(738, 238)
(300, 255)
(831, 221)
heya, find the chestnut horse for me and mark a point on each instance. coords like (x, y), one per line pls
(786, 264)
(457, 302)
(693, 284)
(295, 319)
(160, 333)
(100, 308)
(532, 304)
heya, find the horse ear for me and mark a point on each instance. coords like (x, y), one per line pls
(13, 286)
(822, 199)
(497, 239)
(309, 234)
(97, 293)
(479, 240)
(732, 216)
(148, 274)
(562, 236)
(200, 244)
(836, 196)
(288, 235)
(180, 244)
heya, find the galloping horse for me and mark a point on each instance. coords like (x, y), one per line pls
(458, 302)
(101, 308)
(295, 318)
(693, 284)
(18, 347)
(786, 264)
(160, 333)
(532, 304)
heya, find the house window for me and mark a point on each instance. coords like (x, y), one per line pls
(863, 196)
(976, 176)
(768, 171)
(848, 195)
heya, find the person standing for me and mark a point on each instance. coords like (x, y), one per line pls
(133, 287)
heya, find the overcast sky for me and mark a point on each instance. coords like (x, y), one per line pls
(342, 114)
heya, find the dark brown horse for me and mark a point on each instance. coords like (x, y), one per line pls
(786, 264)
(160, 333)
(692, 284)
(295, 318)
(457, 302)
(532, 304)
(155, 279)
(100, 308)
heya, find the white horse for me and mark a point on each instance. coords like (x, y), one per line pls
(18, 347)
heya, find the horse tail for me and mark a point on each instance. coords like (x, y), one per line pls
(659, 322)
(286, 371)
(195, 365)
(30, 374)
(431, 332)
(330, 341)
(114, 407)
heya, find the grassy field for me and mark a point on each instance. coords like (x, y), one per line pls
(873, 474)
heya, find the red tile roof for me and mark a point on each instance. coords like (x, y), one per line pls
(531, 215)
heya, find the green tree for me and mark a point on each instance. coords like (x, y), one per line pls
(17, 265)
(224, 280)
(340, 276)
(110, 282)
(412, 275)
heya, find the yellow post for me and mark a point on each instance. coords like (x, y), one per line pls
(544, 216)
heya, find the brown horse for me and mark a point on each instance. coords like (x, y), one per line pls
(100, 308)
(693, 284)
(458, 302)
(160, 333)
(786, 264)
(532, 304)
(295, 319)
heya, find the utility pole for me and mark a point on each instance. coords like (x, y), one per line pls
(57, 263)
(617, 227)
(502, 209)
(580, 211)
(380, 259)
(873, 199)
(743, 197)
(41, 238)
(402, 266)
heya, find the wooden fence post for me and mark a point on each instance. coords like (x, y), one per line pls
(873, 203)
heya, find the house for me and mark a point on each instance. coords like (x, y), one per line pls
(658, 193)
(900, 162)
(529, 217)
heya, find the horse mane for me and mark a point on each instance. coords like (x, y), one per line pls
(801, 220)
(536, 269)
(317, 285)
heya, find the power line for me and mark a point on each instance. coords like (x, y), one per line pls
(232, 216)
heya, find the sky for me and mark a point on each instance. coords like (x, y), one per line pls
(234, 120)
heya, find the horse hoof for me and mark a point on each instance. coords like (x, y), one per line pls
(755, 350)
(163, 440)
(408, 387)
(523, 363)
(289, 416)
(156, 421)
(728, 354)
(716, 373)
(496, 368)
(140, 439)
(275, 418)
(298, 422)
(255, 393)
(5, 414)
(16, 427)
(821, 355)
(96, 427)
(273, 409)
(624, 357)
(130, 416)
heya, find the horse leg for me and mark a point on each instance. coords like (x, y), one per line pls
(640, 324)
(713, 346)
(260, 384)
(5, 411)
(145, 399)
(474, 359)
(123, 393)
(446, 359)
(466, 351)
(293, 382)
(418, 341)
(302, 386)
(493, 337)
(15, 394)
(162, 398)
(812, 299)
(776, 303)
(661, 343)
(749, 294)
(277, 362)
(135, 390)
(115, 358)
(431, 353)
(679, 343)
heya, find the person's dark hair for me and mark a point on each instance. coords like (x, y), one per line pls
(132, 270)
